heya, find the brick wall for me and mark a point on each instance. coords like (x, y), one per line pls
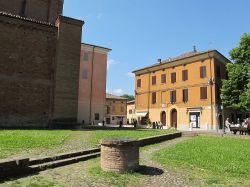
(42, 10)
(67, 69)
(27, 53)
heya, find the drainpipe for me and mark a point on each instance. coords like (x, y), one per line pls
(148, 91)
(211, 91)
(91, 84)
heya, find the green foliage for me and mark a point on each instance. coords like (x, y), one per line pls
(129, 97)
(236, 89)
(216, 155)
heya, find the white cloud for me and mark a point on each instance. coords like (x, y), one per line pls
(118, 91)
(111, 62)
(130, 74)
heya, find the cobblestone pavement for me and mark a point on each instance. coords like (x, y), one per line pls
(162, 176)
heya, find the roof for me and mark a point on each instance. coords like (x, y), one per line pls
(26, 19)
(97, 46)
(131, 102)
(111, 96)
(186, 56)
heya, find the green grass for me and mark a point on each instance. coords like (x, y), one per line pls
(218, 160)
(13, 142)
(112, 178)
(141, 133)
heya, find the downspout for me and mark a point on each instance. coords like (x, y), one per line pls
(211, 91)
(91, 84)
(148, 91)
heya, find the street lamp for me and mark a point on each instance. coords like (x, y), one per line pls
(222, 112)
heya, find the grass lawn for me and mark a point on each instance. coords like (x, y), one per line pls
(13, 142)
(216, 160)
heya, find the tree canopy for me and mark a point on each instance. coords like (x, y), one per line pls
(129, 97)
(236, 90)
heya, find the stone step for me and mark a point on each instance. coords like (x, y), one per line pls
(64, 162)
(62, 156)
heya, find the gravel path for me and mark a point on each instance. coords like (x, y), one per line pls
(161, 176)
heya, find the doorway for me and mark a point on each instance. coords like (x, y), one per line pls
(194, 119)
(163, 118)
(173, 119)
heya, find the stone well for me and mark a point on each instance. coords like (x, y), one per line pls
(119, 154)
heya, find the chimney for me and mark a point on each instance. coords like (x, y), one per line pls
(195, 49)
(159, 60)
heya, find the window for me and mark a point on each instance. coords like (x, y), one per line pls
(154, 80)
(153, 97)
(113, 108)
(218, 73)
(185, 95)
(130, 111)
(138, 83)
(108, 110)
(203, 92)
(184, 75)
(85, 56)
(85, 74)
(97, 116)
(163, 78)
(173, 96)
(203, 72)
(122, 109)
(173, 77)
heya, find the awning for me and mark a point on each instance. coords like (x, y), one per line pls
(141, 114)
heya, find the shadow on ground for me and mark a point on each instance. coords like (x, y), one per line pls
(148, 170)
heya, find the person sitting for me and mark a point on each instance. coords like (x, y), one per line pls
(160, 125)
(157, 125)
(153, 125)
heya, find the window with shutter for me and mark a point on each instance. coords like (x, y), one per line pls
(203, 72)
(153, 97)
(218, 72)
(173, 96)
(185, 95)
(163, 78)
(154, 80)
(173, 77)
(138, 83)
(203, 92)
(184, 75)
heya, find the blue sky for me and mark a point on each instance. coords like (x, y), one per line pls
(141, 31)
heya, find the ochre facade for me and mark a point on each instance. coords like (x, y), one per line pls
(155, 97)
(116, 109)
(39, 64)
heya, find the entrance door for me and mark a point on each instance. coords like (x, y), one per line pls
(194, 119)
(163, 118)
(108, 120)
(173, 118)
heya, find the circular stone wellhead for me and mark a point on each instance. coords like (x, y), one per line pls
(119, 154)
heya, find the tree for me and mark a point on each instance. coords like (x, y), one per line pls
(236, 90)
(129, 97)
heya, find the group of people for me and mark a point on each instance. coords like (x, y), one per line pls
(157, 125)
(245, 124)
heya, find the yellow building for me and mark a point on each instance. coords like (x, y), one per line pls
(182, 92)
(131, 112)
(116, 109)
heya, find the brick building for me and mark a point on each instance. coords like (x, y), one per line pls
(92, 84)
(39, 64)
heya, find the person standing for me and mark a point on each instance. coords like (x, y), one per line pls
(227, 124)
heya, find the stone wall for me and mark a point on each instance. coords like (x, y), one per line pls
(27, 53)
